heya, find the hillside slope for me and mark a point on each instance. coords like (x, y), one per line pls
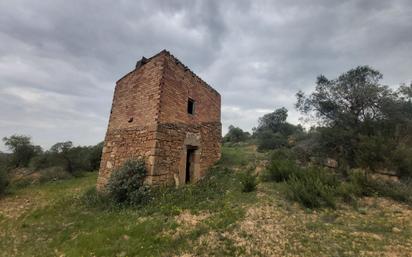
(213, 218)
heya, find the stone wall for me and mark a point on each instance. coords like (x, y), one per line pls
(177, 85)
(123, 144)
(133, 117)
(137, 96)
(149, 118)
(176, 125)
(170, 151)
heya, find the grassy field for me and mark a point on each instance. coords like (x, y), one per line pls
(213, 218)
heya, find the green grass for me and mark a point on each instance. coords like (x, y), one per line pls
(61, 222)
(213, 217)
(238, 156)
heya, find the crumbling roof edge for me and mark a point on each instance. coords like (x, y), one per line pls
(186, 68)
(164, 51)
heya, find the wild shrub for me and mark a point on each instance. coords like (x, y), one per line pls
(249, 181)
(42, 176)
(348, 192)
(53, 174)
(92, 198)
(402, 162)
(398, 191)
(361, 184)
(126, 184)
(313, 188)
(235, 135)
(23, 182)
(37, 162)
(282, 165)
(280, 170)
(302, 154)
(356, 185)
(267, 140)
(4, 180)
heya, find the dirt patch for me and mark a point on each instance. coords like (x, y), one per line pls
(190, 220)
(14, 206)
(400, 212)
(262, 232)
(187, 222)
(276, 228)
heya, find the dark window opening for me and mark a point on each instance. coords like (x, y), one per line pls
(191, 106)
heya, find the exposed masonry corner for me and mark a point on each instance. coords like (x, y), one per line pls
(152, 117)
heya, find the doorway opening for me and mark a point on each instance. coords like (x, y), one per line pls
(190, 164)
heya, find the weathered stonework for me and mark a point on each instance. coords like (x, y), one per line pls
(150, 118)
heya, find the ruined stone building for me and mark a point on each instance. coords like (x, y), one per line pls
(165, 113)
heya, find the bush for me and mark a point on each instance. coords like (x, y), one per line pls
(267, 140)
(282, 165)
(92, 198)
(53, 174)
(355, 186)
(235, 135)
(126, 184)
(348, 192)
(249, 181)
(41, 161)
(280, 170)
(302, 155)
(4, 180)
(398, 191)
(42, 176)
(402, 162)
(313, 188)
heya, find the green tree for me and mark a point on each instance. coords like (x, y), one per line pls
(354, 97)
(273, 131)
(64, 151)
(74, 159)
(274, 121)
(4, 179)
(357, 115)
(235, 135)
(22, 149)
(95, 156)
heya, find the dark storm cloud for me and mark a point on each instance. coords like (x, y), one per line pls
(59, 60)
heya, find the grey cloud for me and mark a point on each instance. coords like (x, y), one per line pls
(59, 59)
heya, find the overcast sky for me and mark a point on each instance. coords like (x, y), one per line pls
(59, 60)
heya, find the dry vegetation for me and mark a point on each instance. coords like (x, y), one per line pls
(214, 218)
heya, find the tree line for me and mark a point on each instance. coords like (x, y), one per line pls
(62, 157)
(360, 123)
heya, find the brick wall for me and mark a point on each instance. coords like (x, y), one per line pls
(149, 118)
(133, 117)
(170, 153)
(123, 144)
(137, 96)
(177, 85)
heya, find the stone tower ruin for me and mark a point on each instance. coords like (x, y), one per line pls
(166, 114)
